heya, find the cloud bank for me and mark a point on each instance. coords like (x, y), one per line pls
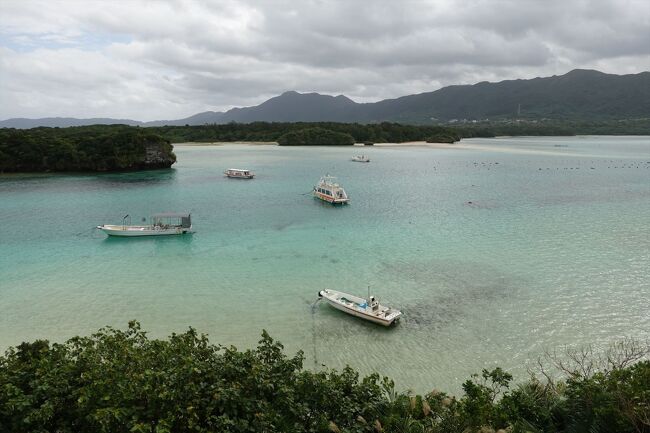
(165, 60)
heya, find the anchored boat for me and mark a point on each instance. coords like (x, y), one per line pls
(161, 224)
(239, 173)
(368, 309)
(328, 190)
(360, 158)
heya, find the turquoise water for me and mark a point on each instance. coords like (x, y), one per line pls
(494, 253)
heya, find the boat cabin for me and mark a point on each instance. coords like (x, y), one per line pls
(328, 190)
(239, 173)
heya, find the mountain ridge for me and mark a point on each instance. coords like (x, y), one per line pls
(580, 94)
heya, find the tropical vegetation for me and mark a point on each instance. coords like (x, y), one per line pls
(84, 148)
(550, 127)
(320, 132)
(123, 381)
(315, 136)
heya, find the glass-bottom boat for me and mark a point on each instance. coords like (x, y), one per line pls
(239, 173)
(328, 190)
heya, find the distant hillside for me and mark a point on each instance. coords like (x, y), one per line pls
(297, 107)
(207, 117)
(578, 95)
(63, 122)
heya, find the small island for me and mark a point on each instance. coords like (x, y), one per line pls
(99, 148)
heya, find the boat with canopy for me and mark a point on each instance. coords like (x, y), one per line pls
(168, 223)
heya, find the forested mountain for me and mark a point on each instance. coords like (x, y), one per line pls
(578, 95)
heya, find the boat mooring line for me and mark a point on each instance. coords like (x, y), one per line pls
(313, 331)
(81, 233)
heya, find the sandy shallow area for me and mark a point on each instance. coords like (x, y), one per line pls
(273, 143)
(224, 143)
(419, 144)
(457, 145)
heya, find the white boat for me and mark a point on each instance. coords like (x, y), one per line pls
(328, 190)
(239, 173)
(360, 158)
(161, 224)
(368, 309)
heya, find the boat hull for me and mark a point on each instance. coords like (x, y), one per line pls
(239, 174)
(332, 200)
(330, 297)
(232, 176)
(136, 231)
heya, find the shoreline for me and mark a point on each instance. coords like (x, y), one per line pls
(223, 143)
(275, 143)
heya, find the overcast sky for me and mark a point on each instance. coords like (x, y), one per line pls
(151, 60)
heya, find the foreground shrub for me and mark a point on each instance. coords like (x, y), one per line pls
(122, 381)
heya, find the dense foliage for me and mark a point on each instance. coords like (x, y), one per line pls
(315, 136)
(549, 127)
(87, 148)
(122, 381)
(271, 132)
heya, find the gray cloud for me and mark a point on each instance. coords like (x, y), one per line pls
(162, 60)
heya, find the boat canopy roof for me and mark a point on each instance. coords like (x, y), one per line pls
(182, 219)
(171, 215)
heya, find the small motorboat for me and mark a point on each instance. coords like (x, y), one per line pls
(328, 190)
(238, 173)
(368, 309)
(360, 158)
(161, 224)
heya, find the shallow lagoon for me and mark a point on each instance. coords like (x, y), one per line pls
(495, 250)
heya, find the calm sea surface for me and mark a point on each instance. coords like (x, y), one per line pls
(493, 253)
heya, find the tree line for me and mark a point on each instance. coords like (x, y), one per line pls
(384, 132)
(122, 381)
(553, 127)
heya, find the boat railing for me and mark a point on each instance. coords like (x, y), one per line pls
(124, 221)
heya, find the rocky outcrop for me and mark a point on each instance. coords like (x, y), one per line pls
(158, 155)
